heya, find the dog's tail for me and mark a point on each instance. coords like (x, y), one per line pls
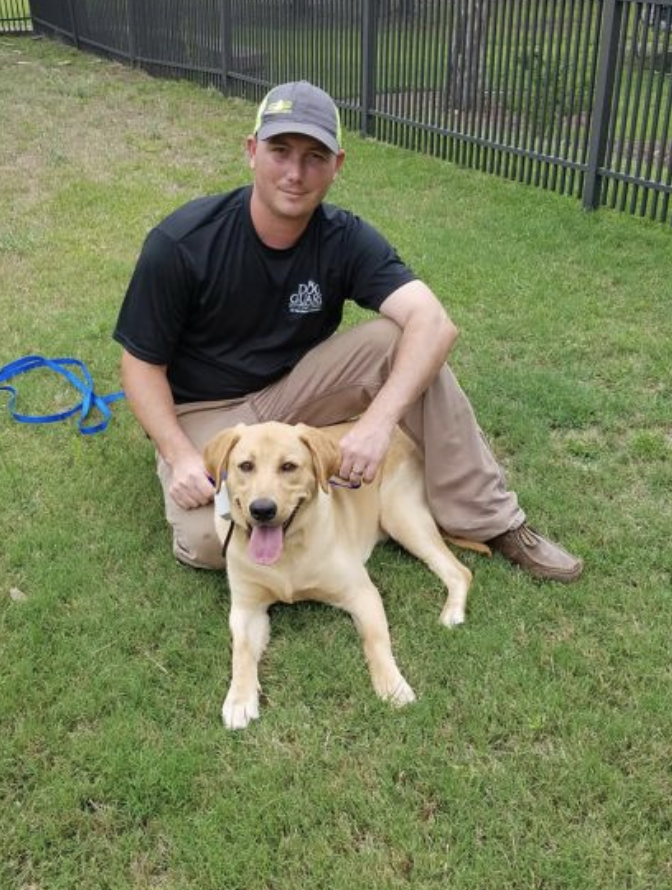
(466, 544)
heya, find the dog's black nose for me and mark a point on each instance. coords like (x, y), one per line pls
(263, 509)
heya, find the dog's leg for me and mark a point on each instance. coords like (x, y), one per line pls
(416, 531)
(250, 631)
(367, 610)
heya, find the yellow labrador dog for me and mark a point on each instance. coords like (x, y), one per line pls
(298, 535)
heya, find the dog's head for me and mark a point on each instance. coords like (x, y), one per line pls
(272, 471)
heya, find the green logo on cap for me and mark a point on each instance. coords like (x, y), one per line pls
(282, 106)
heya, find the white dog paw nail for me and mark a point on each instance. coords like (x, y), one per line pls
(238, 715)
(452, 619)
(402, 695)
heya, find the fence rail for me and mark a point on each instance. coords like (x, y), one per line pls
(569, 95)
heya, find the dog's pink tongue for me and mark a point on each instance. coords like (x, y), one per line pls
(265, 544)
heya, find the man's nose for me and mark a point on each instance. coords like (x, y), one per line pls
(295, 167)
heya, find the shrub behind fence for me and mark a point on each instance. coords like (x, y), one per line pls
(570, 95)
(15, 17)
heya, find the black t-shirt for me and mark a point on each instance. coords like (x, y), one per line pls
(229, 315)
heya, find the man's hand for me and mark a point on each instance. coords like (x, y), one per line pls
(148, 393)
(363, 449)
(190, 486)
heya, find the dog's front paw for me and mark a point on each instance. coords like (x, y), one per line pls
(237, 712)
(396, 691)
(402, 695)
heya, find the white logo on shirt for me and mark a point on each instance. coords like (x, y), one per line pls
(307, 299)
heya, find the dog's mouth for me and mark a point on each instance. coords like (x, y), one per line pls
(266, 539)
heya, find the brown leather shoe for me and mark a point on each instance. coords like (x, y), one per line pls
(540, 558)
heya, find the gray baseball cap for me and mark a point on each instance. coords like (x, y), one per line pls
(302, 108)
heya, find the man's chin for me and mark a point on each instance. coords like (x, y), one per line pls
(296, 208)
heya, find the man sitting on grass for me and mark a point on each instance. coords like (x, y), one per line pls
(231, 315)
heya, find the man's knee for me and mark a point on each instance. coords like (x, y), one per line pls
(366, 350)
(381, 335)
(195, 540)
(201, 553)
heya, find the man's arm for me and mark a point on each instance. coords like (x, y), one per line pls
(151, 401)
(427, 336)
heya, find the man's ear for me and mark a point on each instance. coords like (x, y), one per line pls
(217, 450)
(340, 160)
(251, 150)
(325, 453)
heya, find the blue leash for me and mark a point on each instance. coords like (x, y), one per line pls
(90, 400)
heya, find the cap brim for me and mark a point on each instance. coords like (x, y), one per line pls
(277, 128)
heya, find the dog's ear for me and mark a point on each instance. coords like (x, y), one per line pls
(325, 453)
(217, 450)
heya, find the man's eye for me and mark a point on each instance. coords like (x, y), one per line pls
(246, 466)
(288, 467)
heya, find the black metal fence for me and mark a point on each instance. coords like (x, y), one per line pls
(569, 95)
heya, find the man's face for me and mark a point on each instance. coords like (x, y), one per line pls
(292, 173)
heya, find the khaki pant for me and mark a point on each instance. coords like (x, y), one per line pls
(335, 382)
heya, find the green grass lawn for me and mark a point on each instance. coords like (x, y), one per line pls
(538, 754)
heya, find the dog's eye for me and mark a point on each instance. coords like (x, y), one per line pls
(246, 466)
(288, 467)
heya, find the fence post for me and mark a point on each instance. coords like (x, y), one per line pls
(612, 13)
(369, 46)
(225, 42)
(73, 23)
(130, 29)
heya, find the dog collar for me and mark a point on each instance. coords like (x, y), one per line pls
(222, 504)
